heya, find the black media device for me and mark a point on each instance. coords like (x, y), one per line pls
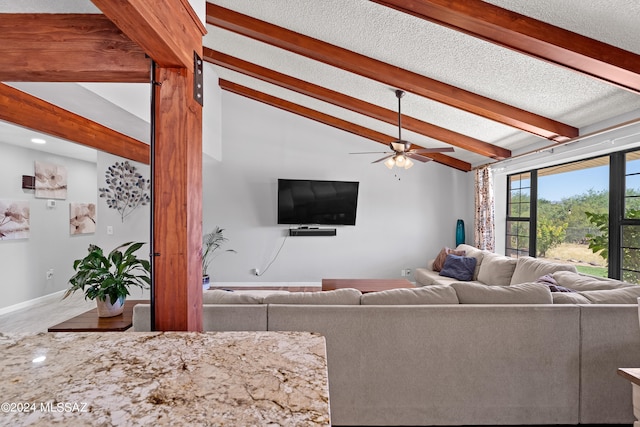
(303, 201)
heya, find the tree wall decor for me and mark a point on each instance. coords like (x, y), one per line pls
(127, 188)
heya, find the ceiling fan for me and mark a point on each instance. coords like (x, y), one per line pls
(401, 154)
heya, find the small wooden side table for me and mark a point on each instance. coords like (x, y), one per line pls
(633, 375)
(90, 322)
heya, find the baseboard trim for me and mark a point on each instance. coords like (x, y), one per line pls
(30, 303)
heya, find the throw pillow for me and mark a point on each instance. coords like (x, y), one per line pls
(438, 263)
(459, 267)
(528, 269)
(496, 270)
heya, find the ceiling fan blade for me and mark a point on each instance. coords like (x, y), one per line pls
(384, 158)
(418, 157)
(371, 152)
(432, 150)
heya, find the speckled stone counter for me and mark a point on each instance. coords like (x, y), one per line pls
(172, 378)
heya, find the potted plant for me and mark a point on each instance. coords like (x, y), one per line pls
(107, 278)
(211, 242)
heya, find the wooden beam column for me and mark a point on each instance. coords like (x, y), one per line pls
(170, 32)
(177, 213)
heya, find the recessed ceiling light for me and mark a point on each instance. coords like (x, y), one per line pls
(38, 141)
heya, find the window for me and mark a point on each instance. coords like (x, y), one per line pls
(573, 201)
(630, 227)
(585, 212)
(518, 215)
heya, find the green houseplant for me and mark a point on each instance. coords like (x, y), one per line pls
(211, 242)
(107, 278)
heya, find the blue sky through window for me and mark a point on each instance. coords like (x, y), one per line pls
(559, 186)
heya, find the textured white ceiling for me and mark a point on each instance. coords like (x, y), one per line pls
(443, 54)
(422, 47)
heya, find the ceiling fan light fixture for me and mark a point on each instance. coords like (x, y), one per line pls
(400, 160)
(390, 163)
(408, 164)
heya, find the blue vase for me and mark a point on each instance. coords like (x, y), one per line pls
(459, 232)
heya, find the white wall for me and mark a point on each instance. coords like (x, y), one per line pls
(24, 263)
(400, 223)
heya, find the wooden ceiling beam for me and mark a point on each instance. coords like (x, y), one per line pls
(354, 104)
(168, 31)
(33, 113)
(333, 121)
(530, 36)
(68, 48)
(388, 74)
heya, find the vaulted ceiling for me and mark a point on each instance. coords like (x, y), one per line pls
(490, 79)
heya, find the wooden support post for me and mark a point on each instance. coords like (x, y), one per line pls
(177, 215)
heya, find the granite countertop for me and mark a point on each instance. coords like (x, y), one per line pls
(171, 378)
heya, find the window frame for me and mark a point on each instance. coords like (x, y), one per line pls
(617, 219)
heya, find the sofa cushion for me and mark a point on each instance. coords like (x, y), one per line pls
(583, 282)
(496, 270)
(523, 293)
(219, 296)
(628, 295)
(438, 263)
(345, 296)
(438, 294)
(529, 269)
(568, 298)
(459, 267)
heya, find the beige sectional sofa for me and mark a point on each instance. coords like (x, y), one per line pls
(426, 356)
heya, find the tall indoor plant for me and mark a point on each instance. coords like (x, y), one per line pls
(107, 278)
(211, 242)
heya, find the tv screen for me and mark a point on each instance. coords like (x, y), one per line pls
(317, 202)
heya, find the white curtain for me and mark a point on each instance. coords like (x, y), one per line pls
(484, 227)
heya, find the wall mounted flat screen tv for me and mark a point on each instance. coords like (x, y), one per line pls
(317, 202)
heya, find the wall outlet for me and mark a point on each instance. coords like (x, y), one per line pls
(50, 274)
(109, 230)
(405, 272)
(256, 271)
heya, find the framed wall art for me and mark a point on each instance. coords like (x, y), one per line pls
(14, 219)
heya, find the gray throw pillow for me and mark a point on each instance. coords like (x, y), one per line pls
(459, 267)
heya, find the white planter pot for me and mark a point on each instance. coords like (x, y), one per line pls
(205, 282)
(106, 309)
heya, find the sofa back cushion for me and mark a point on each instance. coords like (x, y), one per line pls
(496, 270)
(583, 282)
(524, 293)
(219, 296)
(345, 296)
(436, 294)
(628, 295)
(529, 269)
